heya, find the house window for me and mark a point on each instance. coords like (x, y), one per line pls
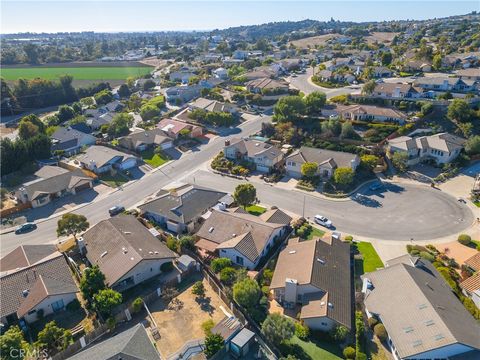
(239, 260)
(58, 305)
(32, 312)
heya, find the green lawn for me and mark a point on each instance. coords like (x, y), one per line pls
(78, 73)
(113, 181)
(255, 210)
(371, 260)
(152, 159)
(311, 350)
(315, 233)
(477, 203)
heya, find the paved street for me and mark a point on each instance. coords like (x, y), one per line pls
(401, 212)
(301, 83)
(133, 192)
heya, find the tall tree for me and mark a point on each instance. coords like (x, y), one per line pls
(247, 293)
(309, 169)
(53, 337)
(106, 300)
(314, 102)
(13, 345)
(72, 224)
(245, 194)
(213, 343)
(93, 280)
(278, 328)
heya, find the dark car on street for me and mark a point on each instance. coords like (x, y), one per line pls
(25, 228)
(116, 210)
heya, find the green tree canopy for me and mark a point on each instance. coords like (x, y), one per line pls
(247, 293)
(343, 176)
(309, 169)
(53, 337)
(103, 97)
(213, 343)
(368, 161)
(124, 91)
(93, 280)
(148, 112)
(289, 108)
(120, 125)
(12, 342)
(459, 110)
(348, 131)
(71, 224)
(472, 146)
(314, 102)
(399, 160)
(278, 328)
(369, 87)
(106, 300)
(245, 194)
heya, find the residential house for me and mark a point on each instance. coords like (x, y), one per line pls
(220, 73)
(328, 161)
(471, 286)
(317, 275)
(291, 64)
(142, 140)
(175, 128)
(444, 84)
(266, 157)
(422, 316)
(125, 251)
(132, 344)
(96, 122)
(180, 210)
(263, 72)
(213, 106)
(182, 93)
(469, 74)
(113, 106)
(53, 182)
(70, 141)
(371, 113)
(381, 72)
(101, 159)
(243, 238)
(36, 281)
(396, 91)
(183, 76)
(442, 148)
(418, 65)
(337, 63)
(325, 75)
(240, 54)
(267, 86)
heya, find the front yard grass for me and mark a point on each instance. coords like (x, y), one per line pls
(315, 233)
(255, 210)
(113, 180)
(477, 203)
(153, 159)
(371, 260)
(311, 349)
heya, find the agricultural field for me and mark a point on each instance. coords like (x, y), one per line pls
(82, 74)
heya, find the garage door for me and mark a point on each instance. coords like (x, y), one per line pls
(129, 164)
(172, 226)
(166, 145)
(262, 168)
(82, 187)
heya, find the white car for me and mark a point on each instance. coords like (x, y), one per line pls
(322, 220)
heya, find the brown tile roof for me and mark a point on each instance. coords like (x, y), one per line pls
(325, 266)
(474, 262)
(118, 244)
(322, 156)
(26, 255)
(276, 216)
(49, 276)
(472, 283)
(245, 232)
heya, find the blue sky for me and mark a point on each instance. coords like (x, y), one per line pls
(121, 15)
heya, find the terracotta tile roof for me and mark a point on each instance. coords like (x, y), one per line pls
(472, 283)
(474, 262)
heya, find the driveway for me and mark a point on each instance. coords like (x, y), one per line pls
(399, 212)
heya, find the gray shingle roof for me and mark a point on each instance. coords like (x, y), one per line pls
(101, 155)
(26, 255)
(132, 344)
(183, 205)
(148, 137)
(419, 309)
(322, 156)
(124, 242)
(54, 271)
(66, 137)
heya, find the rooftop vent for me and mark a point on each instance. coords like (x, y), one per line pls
(417, 343)
(211, 229)
(132, 258)
(429, 322)
(322, 303)
(234, 235)
(330, 305)
(103, 254)
(408, 329)
(156, 252)
(422, 306)
(292, 252)
(25, 293)
(127, 232)
(321, 261)
(124, 250)
(439, 337)
(150, 252)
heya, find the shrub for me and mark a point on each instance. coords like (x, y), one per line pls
(372, 322)
(207, 326)
(301, 331)
(427, 256)
(361, 356)
(172, 243)
(219, 264)
(111, 322)
(198, 289)
(228, 275)
(73, 305)
(166, 267)
(464, 239)
(137, 305)
(380, 332)
(339, 333)
(267, 277)
(266, 290)
(349, 238)
(349, 352)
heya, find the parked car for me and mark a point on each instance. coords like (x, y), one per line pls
(116, 210)
(25, 228)
(322, 220)
(376, 186)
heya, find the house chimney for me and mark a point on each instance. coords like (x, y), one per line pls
(227, 142)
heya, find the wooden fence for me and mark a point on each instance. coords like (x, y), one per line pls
(15, 209)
